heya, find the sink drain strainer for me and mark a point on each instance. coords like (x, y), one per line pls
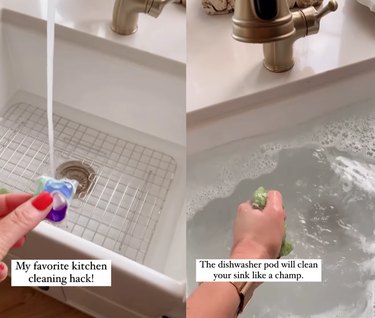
(79, 171)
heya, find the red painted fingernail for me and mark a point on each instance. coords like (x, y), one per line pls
(2, 267)
(42, 201)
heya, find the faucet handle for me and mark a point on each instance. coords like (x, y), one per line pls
(313, 16)
(330, 7)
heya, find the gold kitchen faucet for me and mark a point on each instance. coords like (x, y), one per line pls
(272, 23)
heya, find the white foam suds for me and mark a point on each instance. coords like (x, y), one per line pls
(354, 173)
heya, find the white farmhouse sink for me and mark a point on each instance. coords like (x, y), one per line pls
(113, 105)
(297, 143)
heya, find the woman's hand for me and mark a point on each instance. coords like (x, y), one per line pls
(259, 234)
(19, 214)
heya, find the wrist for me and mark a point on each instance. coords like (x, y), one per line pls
(248, 249)
(245, 292)
(224, 292)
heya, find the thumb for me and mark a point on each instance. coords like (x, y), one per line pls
(22, 220)
(275, 203)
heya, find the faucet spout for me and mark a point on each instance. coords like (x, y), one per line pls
(156, 7)
(276, 27)
(125, 13)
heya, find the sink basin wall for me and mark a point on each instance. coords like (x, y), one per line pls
(275, 109)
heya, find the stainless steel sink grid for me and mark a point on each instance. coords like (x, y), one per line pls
(121, 208)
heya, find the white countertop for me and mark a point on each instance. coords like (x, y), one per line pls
(223, 71)
(164, 36)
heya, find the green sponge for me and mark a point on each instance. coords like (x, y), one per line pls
(259, 202)
(260, 198)
(3, 191)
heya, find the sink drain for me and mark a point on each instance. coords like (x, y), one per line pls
(79, 171)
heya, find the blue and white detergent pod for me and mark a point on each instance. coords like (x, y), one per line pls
(62, 192)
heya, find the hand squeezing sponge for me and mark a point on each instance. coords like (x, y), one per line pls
(259, 202)
(62, 191)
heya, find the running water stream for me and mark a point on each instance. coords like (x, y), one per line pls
(50, 56)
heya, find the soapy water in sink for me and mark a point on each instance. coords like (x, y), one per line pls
(326, 172)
